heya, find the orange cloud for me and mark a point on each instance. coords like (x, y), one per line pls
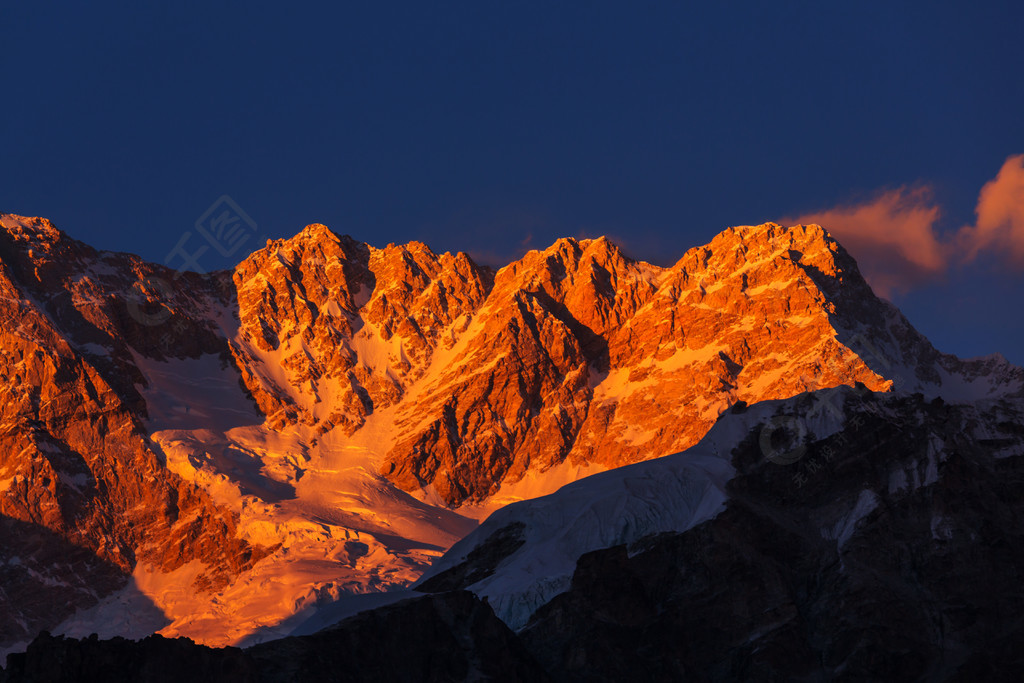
(892, 237)
(1000, 211)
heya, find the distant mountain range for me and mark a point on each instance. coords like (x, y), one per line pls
(259, 453)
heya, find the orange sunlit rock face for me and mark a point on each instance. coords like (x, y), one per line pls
(77, 469)
(584, 355)
(572, 354)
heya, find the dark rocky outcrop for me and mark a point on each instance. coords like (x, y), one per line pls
(925, 585)
(444, 637)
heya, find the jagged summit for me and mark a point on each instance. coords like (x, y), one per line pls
(26, 241)
(27, 227)
(317, 230)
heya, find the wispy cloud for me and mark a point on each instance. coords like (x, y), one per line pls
(1000, 211)
(892, 236)
(896, 242)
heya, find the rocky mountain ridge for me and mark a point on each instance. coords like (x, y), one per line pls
(239, 448)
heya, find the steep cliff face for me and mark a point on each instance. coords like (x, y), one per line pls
(581, 355)
(325, 419)
(575, 354)
(83, 492)
(333, 329)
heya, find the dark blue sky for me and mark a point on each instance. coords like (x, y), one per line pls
(486, 126)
